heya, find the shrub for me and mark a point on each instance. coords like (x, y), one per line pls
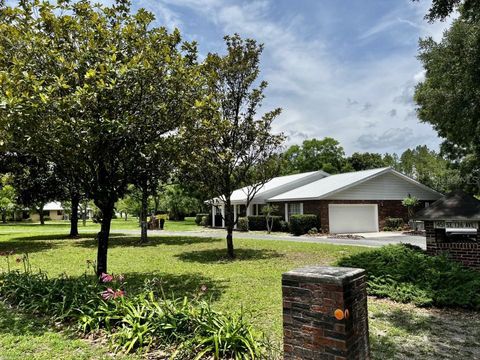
(47, 218)
(198, 218)
(313, 231)
(408, 274)
(259, 222)
(284, 226)
(188, 328)
(205, 220)
(301, 224)
(394, 223)
(243, 224)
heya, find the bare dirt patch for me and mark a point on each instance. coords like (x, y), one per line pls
(403, 331)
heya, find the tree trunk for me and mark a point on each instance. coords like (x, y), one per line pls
(40, 212)
(103, 235)
(229, 223)
(143, 216)
(230, 251)
(75, 199)
(126, 216)
(84, 213)
(4, 217)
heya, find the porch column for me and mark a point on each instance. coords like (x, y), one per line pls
(223, 215)
(286, 212)
(214, 212)
(235, 214)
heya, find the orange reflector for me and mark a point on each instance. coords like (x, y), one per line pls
(339, 315)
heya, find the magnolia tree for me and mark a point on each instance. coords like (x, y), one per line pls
(235, 148)
(98, 83)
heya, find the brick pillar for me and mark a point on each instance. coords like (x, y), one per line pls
(325, 314)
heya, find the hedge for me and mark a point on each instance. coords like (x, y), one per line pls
(301, 224)
(258, 222)
(407, 274)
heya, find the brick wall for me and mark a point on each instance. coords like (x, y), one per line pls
(325, 314)
(386, 208)
(467, 253)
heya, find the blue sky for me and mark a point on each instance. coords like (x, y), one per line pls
(339, 68)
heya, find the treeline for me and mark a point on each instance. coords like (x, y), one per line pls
(421, 163)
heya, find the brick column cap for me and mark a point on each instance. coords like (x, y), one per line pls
(324, 274)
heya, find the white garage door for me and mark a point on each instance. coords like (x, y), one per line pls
(350, 218)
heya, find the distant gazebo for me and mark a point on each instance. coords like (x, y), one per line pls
(452, 226)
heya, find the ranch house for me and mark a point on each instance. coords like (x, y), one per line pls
(353, 202)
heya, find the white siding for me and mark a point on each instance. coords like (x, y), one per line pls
(385, 187)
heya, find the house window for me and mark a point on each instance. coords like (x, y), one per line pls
(294, 209)
(427, 204)
(59, 212)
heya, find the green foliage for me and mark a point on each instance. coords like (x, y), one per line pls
(407, 274)
(394, 223)
(365, 161)
(313, 155)
(410, 202)
(190, 327)
(284, 226)
(178, 202)
(259, 222)
(232, 146)
(199, 217)
(447, 98)
(313, 231)
(244, 223)
(206, 220)
(301, 224)
(7, 197)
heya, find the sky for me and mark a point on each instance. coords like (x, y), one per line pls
(345, 69)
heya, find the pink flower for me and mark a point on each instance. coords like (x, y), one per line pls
(108, 294)
(106, 278)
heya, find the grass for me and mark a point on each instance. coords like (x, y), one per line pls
(184, 264)
(64, 225)
(22, 337)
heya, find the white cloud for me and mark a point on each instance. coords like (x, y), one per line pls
(321, 92)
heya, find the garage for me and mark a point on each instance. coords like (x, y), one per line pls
(351, 218)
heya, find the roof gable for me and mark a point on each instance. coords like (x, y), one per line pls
(278, 185)
(349, 186)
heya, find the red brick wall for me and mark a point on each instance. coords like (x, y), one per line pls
(467, 253)
(312, 297)
(386, 208)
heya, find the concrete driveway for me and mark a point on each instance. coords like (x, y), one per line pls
(369, 239)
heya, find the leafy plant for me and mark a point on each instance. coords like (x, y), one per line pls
(301, 224)
(407, 274)
(243, 224)
(187, 328)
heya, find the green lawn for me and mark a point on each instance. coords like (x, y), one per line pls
(63, 225)
(183, 264)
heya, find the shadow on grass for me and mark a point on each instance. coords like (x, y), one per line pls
(176, 285)
(20, 247)
(134, 241)
(220, 256)
(17, 324)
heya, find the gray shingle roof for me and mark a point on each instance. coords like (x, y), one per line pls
(456, 205)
